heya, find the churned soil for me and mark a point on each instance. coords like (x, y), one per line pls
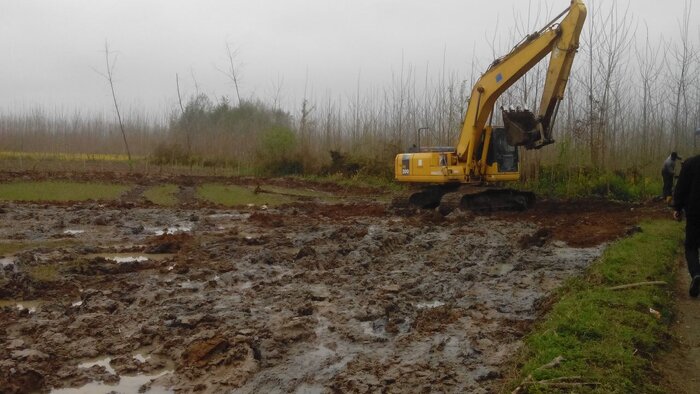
(315, 296)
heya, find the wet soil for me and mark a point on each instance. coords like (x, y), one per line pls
(308, 297)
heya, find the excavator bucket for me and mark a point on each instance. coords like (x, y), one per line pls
(521, 127)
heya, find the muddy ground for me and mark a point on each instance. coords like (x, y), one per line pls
(309, 297)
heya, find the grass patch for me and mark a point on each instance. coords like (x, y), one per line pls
(7, 248)
(60, 191)
(63, 156)
(609, 336)
(165, 195)
(231, 195)
(44, 272)
(12, 247)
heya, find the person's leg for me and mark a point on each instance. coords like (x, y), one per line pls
(692, 256)
(668, 184)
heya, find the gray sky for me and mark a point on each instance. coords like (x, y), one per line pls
(51, 48)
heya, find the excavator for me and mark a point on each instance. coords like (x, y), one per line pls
(468, 176)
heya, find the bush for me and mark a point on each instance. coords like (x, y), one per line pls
(559, 181)
(277, 152)
(170, 154)
(350, 166)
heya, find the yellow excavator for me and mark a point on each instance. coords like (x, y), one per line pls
(467, 176)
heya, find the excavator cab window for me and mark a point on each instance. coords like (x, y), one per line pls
(501, 152)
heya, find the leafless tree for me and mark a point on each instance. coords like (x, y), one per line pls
(110, 63)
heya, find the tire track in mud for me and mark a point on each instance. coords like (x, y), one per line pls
(315, 297)
(187, 195)
(134, 195)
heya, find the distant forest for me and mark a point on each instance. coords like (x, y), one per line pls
(630, 101)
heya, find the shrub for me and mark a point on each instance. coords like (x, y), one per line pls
(277, 152)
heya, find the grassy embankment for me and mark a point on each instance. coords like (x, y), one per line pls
(596, 339)
(59, 191)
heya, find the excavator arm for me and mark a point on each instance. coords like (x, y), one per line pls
(523, 129)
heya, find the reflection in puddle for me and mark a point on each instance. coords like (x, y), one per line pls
(102, 362)
(237, 215)
(132, 258)
(126, 384)
(188, 284)
(176, 229)
(429, 304)
(140, 357)
(30, 306)
(5, 261)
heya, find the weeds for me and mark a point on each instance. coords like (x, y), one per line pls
(559, 181)
(605, 336)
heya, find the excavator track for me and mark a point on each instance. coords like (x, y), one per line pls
(446, 199)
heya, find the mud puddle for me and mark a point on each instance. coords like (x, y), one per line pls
(311, 298)
(20, 305)
(131, 257)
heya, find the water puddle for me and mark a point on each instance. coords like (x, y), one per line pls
(429, 304)
(132, 258)
(101, 362)
(189, 284)
(236, 216)
(73, 231)
(141, 358)
(7, 261)
(21, 305)
(501, 269)
(126, 384)
(170, 230)
(376, 328)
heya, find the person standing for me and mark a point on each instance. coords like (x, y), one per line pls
(668, 171)
(686, 199)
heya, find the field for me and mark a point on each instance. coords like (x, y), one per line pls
(207, 284)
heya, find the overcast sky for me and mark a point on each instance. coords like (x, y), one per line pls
(51, 48)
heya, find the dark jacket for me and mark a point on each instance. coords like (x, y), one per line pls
(687, 194)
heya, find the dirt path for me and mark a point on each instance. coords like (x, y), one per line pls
(135, 194)
(187, 194)
(681, 365)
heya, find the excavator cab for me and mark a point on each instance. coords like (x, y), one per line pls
(502, 152)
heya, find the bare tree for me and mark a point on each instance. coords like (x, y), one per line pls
(186, 120)
(109, 76)
(683, 56)
(233, 72)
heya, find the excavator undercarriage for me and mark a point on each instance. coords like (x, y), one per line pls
(476, 198)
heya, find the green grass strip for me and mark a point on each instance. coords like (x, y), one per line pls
(165, 195)
(605, 336)
(59, 191)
